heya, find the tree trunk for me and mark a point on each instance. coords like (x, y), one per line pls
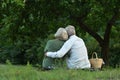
(106, 41)
(105, 53)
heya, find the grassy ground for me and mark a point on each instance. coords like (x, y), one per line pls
(11, 72)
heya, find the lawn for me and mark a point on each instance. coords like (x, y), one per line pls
(27, 72)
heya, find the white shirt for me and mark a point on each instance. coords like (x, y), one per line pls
(78, 53)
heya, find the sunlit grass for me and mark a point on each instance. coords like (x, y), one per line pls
(12, 72)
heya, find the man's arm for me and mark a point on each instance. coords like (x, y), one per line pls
(65, 48)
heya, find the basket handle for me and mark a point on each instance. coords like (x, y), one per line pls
(94, 53)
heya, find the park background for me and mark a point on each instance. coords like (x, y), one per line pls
(26, 26)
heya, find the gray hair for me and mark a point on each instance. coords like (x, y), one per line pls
(61, 34)
(70, 30)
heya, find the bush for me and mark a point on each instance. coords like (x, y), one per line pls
(21, 52)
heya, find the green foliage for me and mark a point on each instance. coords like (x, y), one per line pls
(92, 45)
(8, 62)
(22, 52)
(115, 46)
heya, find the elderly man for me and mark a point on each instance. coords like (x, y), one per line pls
(78, 58)
(54, 45)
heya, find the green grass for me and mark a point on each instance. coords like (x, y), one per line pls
(12, 72)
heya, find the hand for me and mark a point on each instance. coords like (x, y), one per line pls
(45, 53)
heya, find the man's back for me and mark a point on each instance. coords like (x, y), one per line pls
(78, 54)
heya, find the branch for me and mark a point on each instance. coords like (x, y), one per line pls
(91, 32)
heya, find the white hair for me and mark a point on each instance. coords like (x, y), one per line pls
(70, 30)
(61, 34)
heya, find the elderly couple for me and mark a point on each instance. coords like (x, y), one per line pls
(66, 42)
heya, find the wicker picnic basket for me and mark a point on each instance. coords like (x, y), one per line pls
(96, 62)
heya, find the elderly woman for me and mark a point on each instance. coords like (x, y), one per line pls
(54, 45)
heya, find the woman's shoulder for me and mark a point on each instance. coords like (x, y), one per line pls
(52, 40)
(55, 41)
